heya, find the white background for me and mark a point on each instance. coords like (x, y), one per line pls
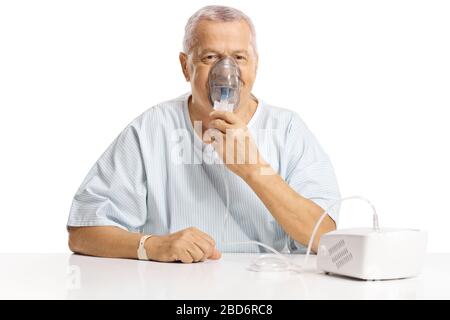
(370, 78)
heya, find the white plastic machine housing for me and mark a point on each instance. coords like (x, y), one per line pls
(370, 254)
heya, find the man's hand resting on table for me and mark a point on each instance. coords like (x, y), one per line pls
(188, 245)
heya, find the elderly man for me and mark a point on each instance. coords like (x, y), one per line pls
(140, 201)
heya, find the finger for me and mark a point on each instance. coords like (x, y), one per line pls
(212, 135)
(206, 236)
(205, 246)
(227, 116)
(220, 125)
(185, 257)
(195, 252)
(216, 255)
(205, 253)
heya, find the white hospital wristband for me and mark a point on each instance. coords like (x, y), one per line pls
(141, 253)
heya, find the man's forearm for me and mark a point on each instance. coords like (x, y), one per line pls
(296, 214)
(104, 241)
(187, 245)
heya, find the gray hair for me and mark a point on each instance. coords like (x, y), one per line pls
(214, 13)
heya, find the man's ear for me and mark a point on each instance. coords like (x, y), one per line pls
(184, 65)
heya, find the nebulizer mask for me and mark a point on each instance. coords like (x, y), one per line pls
(224, 83)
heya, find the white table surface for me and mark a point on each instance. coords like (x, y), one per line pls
(69, 276)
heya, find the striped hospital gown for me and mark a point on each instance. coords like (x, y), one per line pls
(158, 177)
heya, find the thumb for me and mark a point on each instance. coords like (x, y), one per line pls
(215, 255)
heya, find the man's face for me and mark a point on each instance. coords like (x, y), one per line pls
(214, 41)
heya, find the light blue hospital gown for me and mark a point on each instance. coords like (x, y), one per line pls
(152, 179)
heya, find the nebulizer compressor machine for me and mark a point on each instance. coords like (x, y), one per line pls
(365, 253)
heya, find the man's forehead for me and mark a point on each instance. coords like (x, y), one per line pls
(223, 36)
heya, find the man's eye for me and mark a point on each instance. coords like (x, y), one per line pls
(210, 57)
(240, 58)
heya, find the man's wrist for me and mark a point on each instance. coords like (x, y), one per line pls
(141, 251)
(255, 171)
(151, 247)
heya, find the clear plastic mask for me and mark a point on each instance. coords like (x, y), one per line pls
(224, 82)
